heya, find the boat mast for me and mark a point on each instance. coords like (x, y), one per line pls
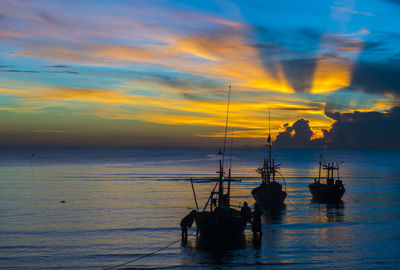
(319, 173)
(221, 163)
(271, 169)
(269, 133)
(226, 126)
(220, 183)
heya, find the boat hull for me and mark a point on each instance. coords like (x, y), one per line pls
(269, 196)
(323, 193)
(220, 223)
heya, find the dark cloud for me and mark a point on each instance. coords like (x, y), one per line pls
(38, 71)
(183, 82)
(313, 35)
(393, 1)
(64, 71)
(293, 50)
(300, 73)
(17, 71)
(296, 136)
(301, 39)
(356, 130)
(377, 77)
(296, 51)
(374, 46)
(364, 130)
(180, 82)
(58, 66)
(35, 71)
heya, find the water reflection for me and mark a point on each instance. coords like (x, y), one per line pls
(335, 212)
(202, 251)
(274, 216)
(215, 251)
(217, 245)
(329, 212)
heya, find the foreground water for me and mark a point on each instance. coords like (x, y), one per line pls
(122, 204)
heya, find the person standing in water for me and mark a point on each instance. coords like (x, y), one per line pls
(186, 223)
(245, 212)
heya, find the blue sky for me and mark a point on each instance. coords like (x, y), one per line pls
(156, 73)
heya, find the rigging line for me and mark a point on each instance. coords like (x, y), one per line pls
(226, 126)
(145, 255)
(356, 200)
(230, 161)
(194, 194)
(284, 181)
(209, 198)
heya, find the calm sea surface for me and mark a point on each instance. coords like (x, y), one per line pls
(122, 204)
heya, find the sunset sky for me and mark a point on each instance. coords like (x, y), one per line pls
(156, 73)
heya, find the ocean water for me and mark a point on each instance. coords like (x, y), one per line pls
(121, 204)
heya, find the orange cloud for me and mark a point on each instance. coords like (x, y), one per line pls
(334, 69)
(330, 75)
(223, 55)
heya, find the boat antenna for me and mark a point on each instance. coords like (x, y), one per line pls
(320, 164)
(269, 133)
(226, 126)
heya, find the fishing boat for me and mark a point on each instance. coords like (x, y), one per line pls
(220, 220)
(269, 194)
(333, 190)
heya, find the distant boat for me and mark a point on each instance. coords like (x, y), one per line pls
(333, 190)
(269, 194)
(220, 221)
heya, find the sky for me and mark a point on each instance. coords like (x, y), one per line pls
(156, 73)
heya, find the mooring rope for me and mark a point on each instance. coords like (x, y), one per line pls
(145, 255)
(154, 252)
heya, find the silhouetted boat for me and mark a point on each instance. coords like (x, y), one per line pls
(269, 194)
(220, 221)
(333, 190)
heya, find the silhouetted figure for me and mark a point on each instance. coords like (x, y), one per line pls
(186, 223)
(256, 228)
(245, 212)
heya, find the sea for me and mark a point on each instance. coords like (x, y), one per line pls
(121, 209)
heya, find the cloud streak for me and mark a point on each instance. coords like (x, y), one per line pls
(170, 65)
